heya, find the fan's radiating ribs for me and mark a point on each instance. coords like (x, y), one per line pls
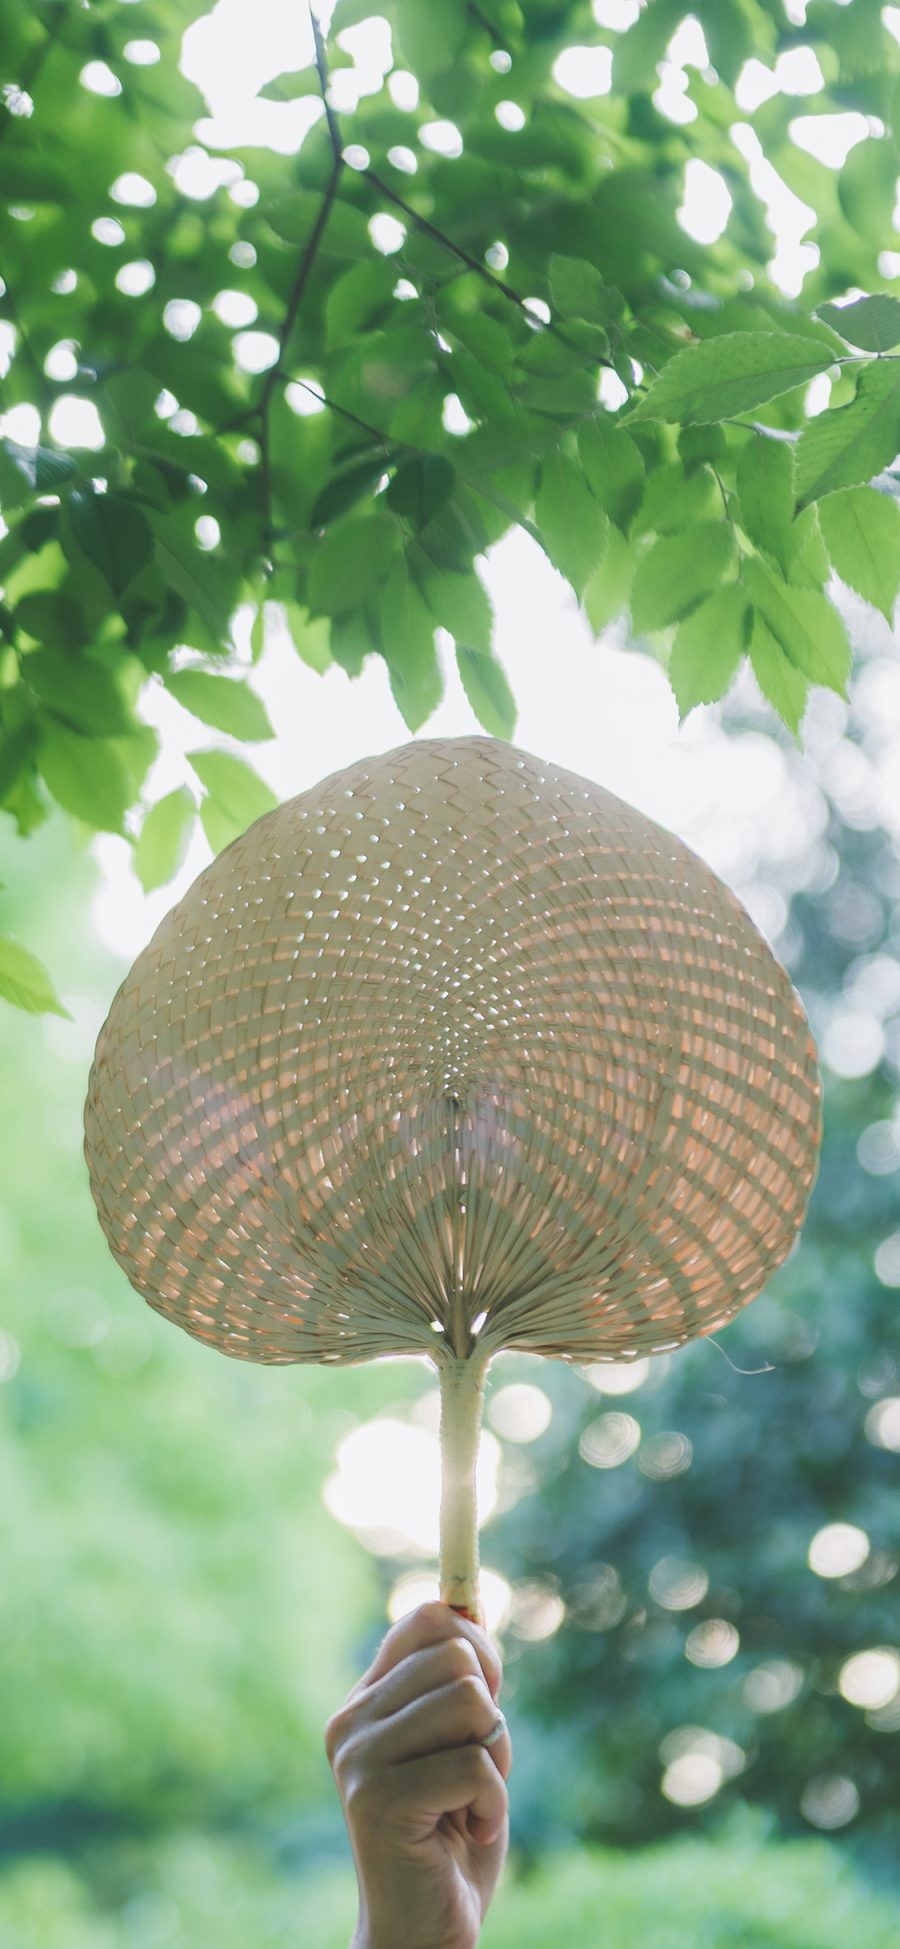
(456, 1033)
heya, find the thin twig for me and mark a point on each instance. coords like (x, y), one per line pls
(276, 372)
(322, 71)
(728, 515)
(384, 439)
(422, 223)
(474, 264)
(483, 21)
(298, 289)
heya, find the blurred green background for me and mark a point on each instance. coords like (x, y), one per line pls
(694, 1563)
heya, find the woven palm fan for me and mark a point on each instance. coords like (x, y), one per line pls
(454, 1052)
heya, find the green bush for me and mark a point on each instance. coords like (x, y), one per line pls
(739, 1890)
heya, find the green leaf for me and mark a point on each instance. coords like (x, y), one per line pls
(573, 527)
(861, 528)
(678, 571)
(638, 51)
(729, 29)
(867, 189)
(765, 487)
(345, 489)
(17, 742)
(129, 398)
(25, 983)
(732, 374)
(848, 444)
(235, 798)
(407, 630)
(871, 323)
(224, 702)
(460, 604)
(430, 37)
(484, 394)
(486, 686)
(673, 499)
(80, 691)
(41, 469)
(51, 616)
(38, 526)
(609, 588)
(421, 487)
(164, 839)
(614, 467)
(576, 288)
(258, 633)
(86, 776)
(779, 679)
(483, 336)
(292, 87)
(114, 534)
(351, 561)
(136, 753)
(32, 178)
(295, 215)
(807, 556)
(193, 573)
(708, 647)
(354, 297)
(699, 443)
(803, 622)
(352, 640)
(310, 635)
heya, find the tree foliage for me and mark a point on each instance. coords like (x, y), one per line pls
(169, 1559)
(671, 1524)
(636, 400)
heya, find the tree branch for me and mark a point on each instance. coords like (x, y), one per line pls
(384, 439)
(322, 71)
(276, 374)
(474, 264)
(304, 271)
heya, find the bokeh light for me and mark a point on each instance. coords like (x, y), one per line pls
(609, 1441)
(713, 1643)
(882, 1424)
(887, 1260)
(537, 1611)
(386, 1485)
(829, 1800)
(677, 1583)
(692, 1778)
(773, 1685)
(697, 1763)
(417, 1587)
(838, 1549)
(75, 422)
(666, 1455)
(597, 1601)
(520, 1412)
(617, 1376)
(870, 1678)
(10, 1355)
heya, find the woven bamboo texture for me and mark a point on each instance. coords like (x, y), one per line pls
(456, 1050)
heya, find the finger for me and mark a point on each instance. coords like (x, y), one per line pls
(430, 1624)
(457, 1715)
(420, 1672)
(418, 1793)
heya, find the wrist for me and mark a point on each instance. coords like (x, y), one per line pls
(365, 1937)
